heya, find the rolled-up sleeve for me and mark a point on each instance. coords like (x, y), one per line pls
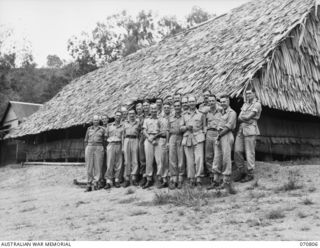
(231, 120)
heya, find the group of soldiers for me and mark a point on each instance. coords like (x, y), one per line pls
(175, 142)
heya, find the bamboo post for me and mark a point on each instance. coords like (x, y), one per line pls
(66, 139)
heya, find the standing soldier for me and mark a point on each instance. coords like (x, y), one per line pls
(193, 142)
(94, 152)
(124, 112)
(159, 107)
(151, 130)
(246, 137)
(176, 165)
(222, 152)
(130, 149)
(162, 158)
(204, 107)
(213, 118)
(105, 120)
(185, 105)
(114, 134)
(142, 155)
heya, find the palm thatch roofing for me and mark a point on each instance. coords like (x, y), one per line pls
(223, 55)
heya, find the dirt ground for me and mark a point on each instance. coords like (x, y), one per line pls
(41, 203)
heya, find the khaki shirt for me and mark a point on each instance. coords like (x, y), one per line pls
(228, 119)
(151, 125)
(114, 132)
(213, 119)
(175, 124)
(250, 127)
(164, 123)
(132, 128)
(194, 119)
(95, 135)
(204, 108)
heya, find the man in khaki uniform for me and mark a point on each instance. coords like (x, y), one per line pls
(213, 118)
(193, 142)
(185, 105)
(176, 163)
(159, 104)
(205, 106)
(246, 137)
(94, 153)
(163, 159)
(114, 133)
(151, 130)
(224, 142)
(142, 155)
(105, 120)
(130, 149)
(124, 113)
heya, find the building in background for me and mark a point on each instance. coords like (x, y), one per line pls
(16, 113)
(269, 45)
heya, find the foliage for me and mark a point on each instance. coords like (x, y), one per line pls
(121, 35)
(53, 61)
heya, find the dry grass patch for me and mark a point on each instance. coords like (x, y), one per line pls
(138, 212)
(307, 201)
(275, 214)
(185, 197)
(128, 200)
(292, 183)
(302, 215)
(130, 192)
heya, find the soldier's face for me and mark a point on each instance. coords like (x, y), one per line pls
(249, 96)
(184, 104)
(177, 107)
(166, 109)
(105, 120)
(170, 99)
(212, 101)
(192, 103)
(206, 96)
(95, 121)
(139, 109)
(132, 115)
(146, 107)
(159, 103)
(176, 98)
(154, 110)
(124, 113)
(224, 103)
(118, 117)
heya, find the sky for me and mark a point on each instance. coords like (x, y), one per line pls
(48, 24)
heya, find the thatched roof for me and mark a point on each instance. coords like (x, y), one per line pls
(222, 54)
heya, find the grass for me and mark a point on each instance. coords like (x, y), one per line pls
(128, 200)
(307, 201)
(185, 197)
(275, 214)
(292, 183)
(138, 212)
(302, 215)
(130, 192)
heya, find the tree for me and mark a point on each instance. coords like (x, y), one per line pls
(28, 61)
(197, 16)
(169, 25)
(53, 61)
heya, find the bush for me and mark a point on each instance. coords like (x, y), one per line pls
(275, 214)
(185, 197)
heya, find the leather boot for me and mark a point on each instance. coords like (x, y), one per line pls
(249, 177)
(239, 175)
(147, 185)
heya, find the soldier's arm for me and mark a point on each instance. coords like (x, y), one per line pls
(183, 127)
(204, 123)
(86, 138)
(232, 118)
